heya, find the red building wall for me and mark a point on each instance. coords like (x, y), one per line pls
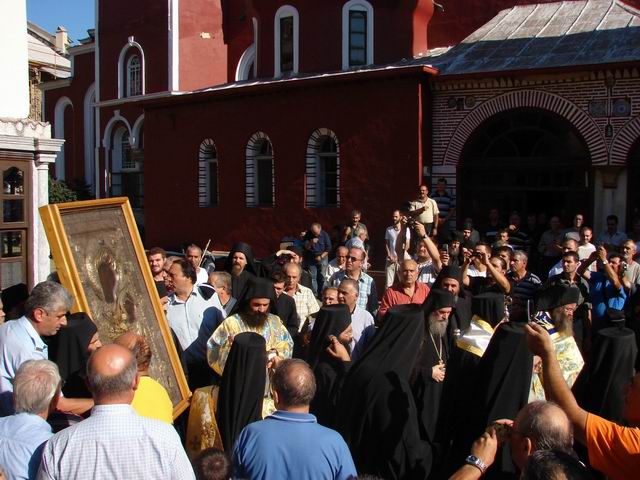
(400, 31)
(379, 139)
(146, 21)
(83, 67)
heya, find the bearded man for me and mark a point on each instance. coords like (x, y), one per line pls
(242, 267)
(429, 370)
(253, 316)
(555, 307)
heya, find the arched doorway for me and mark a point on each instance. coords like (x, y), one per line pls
(527, 160)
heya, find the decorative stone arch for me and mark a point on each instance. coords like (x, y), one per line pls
(58, 132)
(624, 141)
(135, 131)
(251, 169)
(108, 129)
(122, 83)
(207, 155)
(551, 102)
(313, 182)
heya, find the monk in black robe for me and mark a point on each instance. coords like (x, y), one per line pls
(242, 267)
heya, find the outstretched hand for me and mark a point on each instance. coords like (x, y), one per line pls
(538, 340)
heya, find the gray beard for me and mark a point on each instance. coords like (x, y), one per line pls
(563, 323)
(438, 328)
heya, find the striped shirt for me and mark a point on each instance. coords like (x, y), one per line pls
(306, 303)
(364, 286)
(444, 201)
(524, 289)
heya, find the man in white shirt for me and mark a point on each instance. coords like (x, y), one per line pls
(193, 318)
(338, 264)
(391, 244)
(194, 255)
(114, 442)
(425, 210)
(306, 303)
(568, 245)
(360, 318)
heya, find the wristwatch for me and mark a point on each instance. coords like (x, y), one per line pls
(476, 462)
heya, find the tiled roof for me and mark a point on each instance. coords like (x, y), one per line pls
(562, 34)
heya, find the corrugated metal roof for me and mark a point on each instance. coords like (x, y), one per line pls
(561, 34)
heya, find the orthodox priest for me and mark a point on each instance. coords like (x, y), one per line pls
(242, 267)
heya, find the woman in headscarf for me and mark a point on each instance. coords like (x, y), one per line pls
(70, 349)
(376, 412)
(218, 414)
(332, 321)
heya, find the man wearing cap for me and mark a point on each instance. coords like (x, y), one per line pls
(253, 316)
(555, 307)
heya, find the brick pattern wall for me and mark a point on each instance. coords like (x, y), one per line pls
(461, 105)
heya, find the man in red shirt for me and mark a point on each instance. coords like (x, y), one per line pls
(407, 290)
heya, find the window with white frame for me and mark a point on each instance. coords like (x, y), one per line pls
(260, 178)
(127, 160)
(134, 76)
(286, 41)
(323, 170)
(357, 34)
(208, 194)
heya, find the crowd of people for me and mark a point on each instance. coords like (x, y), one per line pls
(499, 350)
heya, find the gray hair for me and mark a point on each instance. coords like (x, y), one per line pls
(521, 254)
(546, 429)
(363, 254)
(351, 283)
(109, 385)
(360, 229)
(48, 296)
(292, 265)
(295, 383)
(222, 278)
(35, 385)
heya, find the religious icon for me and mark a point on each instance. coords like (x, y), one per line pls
(101, 261)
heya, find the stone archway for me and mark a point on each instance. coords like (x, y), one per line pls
(529, 99)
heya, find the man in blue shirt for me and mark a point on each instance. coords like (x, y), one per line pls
(290, 444)
(317, 245)
(36, 388)
(20, 339)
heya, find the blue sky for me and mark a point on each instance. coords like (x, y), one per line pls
(77, 16)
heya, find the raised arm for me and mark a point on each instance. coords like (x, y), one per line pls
(555, 387)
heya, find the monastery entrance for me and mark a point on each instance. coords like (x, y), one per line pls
(525, 160)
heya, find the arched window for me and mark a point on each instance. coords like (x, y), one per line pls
(323, 170)
(286, 41)
(208, 195)
(260, 175)
(131, 70)
(134, 76)
(357, 34)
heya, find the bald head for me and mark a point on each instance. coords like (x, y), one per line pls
(294, 383)
(112, 374)
(540, 426)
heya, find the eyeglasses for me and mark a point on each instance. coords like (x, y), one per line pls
(354, 259)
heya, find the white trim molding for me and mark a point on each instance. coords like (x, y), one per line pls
(283, 12)
(363, 6)
(246, 64)
(135, 131)
(106, 139)
(315, 177)
(122, 81)
(89, 134)
(252, 155)
(174, 45)
(58, 132)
